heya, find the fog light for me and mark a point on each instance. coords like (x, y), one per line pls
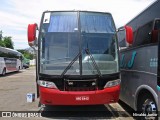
(112, 83)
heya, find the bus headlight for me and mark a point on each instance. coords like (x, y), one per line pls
(47, 84)
(112, 83)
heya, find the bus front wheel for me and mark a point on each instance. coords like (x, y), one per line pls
(4, 72)
(147, 105)
(18, 69)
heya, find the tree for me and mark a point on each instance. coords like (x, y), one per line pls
(8, 42)
(1, 41)
(26, 54)
(1, 35)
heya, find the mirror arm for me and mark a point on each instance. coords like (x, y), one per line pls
(120, 29)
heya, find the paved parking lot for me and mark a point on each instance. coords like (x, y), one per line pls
(15, 86)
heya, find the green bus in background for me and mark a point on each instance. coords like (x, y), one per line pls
(25, 62)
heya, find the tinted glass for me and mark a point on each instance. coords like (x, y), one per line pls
(61, 40)
(98, 35)
(143, 35)
(59, 43)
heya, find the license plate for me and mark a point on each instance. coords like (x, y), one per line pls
(82, 98)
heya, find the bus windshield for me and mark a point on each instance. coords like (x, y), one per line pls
(66, 34)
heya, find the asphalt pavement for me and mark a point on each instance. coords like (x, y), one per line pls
(15, 86)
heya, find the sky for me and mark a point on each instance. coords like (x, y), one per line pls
(15, 15)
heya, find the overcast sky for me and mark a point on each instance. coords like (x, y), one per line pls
(15, 15)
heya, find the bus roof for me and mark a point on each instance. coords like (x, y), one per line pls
(9, 50)
(77, 11)
(148, 14)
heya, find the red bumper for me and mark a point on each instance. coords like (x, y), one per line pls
(56, 97)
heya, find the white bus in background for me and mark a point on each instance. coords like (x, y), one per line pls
(10, 60)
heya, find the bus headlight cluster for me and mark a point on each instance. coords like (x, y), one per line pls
(112, 83)
(47, 84)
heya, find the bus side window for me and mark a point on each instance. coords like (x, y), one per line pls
(3, 54)
(155, 31)
(143, 35)
(20, 57)
(154, 36)
(157, 25)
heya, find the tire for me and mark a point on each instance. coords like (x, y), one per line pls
(24, 67)
(18, 68)
(147, 105)
(39, 104)
(4, 72)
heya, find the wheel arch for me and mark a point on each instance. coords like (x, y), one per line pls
(142, 89)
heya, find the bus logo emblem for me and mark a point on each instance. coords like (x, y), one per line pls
(70, 83)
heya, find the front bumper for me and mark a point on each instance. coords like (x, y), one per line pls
(57, 97)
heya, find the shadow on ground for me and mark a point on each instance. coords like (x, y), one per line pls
(12, 73)
(89, 111)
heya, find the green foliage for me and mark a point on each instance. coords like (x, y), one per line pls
(21, 51)
(26, 54)
(1, 35)
(6, 41)
(29, 56)
(1, 43)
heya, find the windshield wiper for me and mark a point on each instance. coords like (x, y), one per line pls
(93, 61)
(70, 64)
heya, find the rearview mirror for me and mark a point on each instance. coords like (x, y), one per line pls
(129, 34)
(32, 34)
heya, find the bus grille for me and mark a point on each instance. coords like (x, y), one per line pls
(80, 85)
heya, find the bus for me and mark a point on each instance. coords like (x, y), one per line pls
(10, 60)
(140, 78)
(140, 66)
(77, 58)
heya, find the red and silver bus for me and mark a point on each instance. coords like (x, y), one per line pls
(10, 60)
(77, 58)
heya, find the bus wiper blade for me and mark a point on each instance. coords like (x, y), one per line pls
(93, 61)
(70, 64)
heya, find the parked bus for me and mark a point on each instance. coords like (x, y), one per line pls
(140, 69)
(10, 60)
(140, 61)
(77, 58)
